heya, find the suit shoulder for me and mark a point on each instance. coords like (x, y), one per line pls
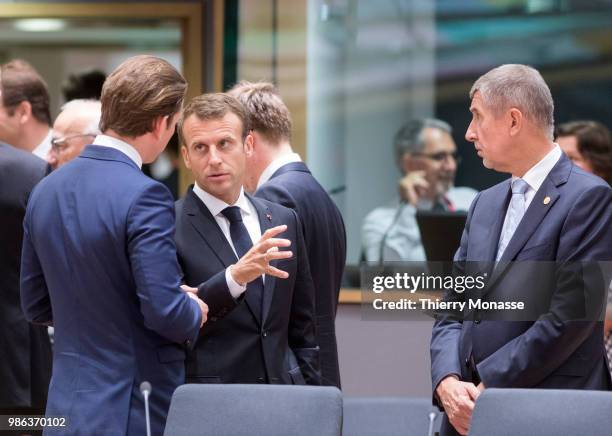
(581, 179)
(276, 191)
(14, 158)
(279, 209)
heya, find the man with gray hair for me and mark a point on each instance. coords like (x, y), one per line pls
(549, 212)
(74, 128)
(427, 157)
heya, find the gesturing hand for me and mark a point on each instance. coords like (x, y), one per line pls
(256, 261)
(458, 399)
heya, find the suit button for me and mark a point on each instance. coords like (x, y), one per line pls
(467, 361)
(188, 343)
(264, 333)
(477, 321)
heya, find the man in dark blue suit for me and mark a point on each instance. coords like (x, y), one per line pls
(25, 368)
(261, 327)
(276, 173)
(99, 263)
(550, 210)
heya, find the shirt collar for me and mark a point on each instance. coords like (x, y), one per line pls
(118, 144)
(536, 175)
(43, 148)
(275, 165)
(216, 205)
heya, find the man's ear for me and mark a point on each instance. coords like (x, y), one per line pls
(249, 145)
(185, 154)
(160, 124)
(515, 117)
(23, 111)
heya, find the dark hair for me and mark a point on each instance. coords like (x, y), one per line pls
(267, 112)
(213, 107)
(19, 82)
(86, 85)
(594, 144)
(140, 90)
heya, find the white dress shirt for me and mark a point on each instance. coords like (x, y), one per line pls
(123, 147)
(249, 218)
(398, 222)
(42, 149)
(275, 165)
(535, 177)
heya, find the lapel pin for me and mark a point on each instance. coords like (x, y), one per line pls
(546, 200)
(269, 216)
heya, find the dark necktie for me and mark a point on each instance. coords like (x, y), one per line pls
(443, 204)
(242, 243)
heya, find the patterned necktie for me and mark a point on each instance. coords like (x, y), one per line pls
(516, 210)
(242, 243)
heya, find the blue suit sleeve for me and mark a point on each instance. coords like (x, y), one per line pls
(215, 293)
(35, 301)
(532, 356)
(444, 347)
(165, 307)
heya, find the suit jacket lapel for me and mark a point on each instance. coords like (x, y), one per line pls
(205, 224)
(499, 206)
(202, 220)
(266, 221)
(534, 215)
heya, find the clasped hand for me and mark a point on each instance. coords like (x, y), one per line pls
(458, 399)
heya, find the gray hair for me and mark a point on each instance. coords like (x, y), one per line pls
(519, 86)
(91, 110)
(409, 138)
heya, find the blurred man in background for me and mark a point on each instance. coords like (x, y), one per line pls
(25, 119)
(76, 126)
(276, 173)
(427, 158)
(25, 365)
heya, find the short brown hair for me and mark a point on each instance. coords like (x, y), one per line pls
(214, 106)
(19, 81)
(140, 90)
(267, 112)
(594, 144)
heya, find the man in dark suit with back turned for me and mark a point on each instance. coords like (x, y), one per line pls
(99, 263)
(549, 211)
(276, 173)
(261, 325)
(25, 366)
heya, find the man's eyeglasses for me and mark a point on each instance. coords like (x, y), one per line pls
(441, 156)
(59, 144)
